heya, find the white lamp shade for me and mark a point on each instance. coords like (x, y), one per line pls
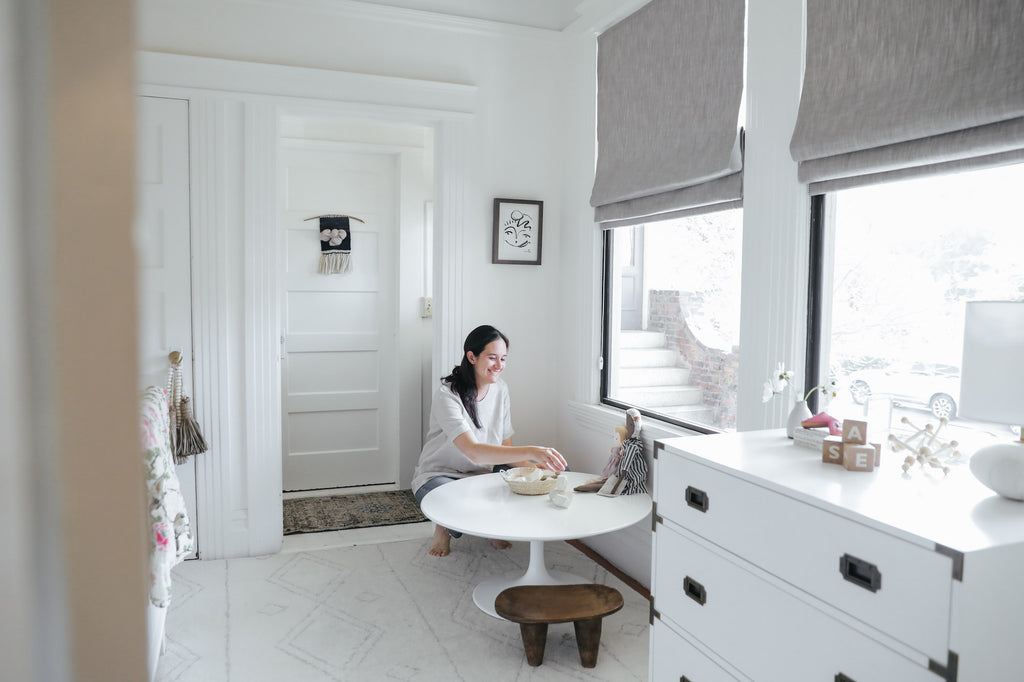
(992, 372)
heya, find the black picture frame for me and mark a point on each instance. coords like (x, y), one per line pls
(518, 232)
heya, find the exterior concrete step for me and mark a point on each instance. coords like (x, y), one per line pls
(648, 357)
(641, 339)
(656, 396)
(693, 413)
(654, 376)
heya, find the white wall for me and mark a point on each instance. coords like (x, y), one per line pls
(532, 136)
(509, 146)
(513, 151)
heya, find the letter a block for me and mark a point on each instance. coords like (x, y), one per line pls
(855, 431)
(832, 450)
(858, 457)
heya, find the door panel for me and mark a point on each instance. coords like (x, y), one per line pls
(340, 421)
(163, 248)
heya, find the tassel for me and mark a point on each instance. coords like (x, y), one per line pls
(333, 262)
(188, 438)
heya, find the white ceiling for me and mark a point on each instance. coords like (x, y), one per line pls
(555, 15)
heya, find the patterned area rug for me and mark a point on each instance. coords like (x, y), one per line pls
(344, 512)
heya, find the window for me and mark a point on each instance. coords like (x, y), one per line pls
(672, 311)
(905, 258)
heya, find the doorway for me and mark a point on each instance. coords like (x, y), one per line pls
(163, 247)
(352, 342)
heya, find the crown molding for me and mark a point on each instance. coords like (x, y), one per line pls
(411, 17)
(596, 16)
(379, 96)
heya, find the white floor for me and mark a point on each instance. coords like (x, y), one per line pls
(371, 604)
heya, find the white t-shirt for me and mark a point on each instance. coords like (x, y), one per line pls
(449, 420)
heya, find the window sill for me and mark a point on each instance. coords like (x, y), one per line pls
(605, 419)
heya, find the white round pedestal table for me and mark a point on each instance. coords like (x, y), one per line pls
(485, 506)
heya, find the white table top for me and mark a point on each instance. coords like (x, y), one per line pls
(485, 506)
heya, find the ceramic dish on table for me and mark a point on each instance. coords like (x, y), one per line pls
(530, 480)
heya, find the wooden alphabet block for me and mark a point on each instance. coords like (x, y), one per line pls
(855, 431)
(832, 450)
(878, 453)
(858, 457)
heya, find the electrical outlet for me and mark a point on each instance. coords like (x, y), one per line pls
(427, 306)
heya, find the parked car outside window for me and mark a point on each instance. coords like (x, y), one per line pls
(934, 386)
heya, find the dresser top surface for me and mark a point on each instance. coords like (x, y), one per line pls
(954, 510)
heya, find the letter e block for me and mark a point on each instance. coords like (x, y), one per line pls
(832, 450)
(858, 457)
(855, 431)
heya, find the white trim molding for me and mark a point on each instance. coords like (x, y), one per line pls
(262, 322)
(450, 217)
(415, 17)
(408, 99)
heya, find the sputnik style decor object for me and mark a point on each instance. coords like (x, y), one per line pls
(928, 448)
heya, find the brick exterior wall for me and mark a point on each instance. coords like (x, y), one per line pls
(714, 371)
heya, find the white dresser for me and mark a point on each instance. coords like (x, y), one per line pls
(770, 565)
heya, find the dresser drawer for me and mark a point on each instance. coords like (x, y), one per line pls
(893, 585)
(762, 631)
(673, 659)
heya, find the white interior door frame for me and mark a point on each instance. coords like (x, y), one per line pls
(234, 109)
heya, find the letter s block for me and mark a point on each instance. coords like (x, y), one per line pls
(832, 450)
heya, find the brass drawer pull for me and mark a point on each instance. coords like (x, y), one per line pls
(861, 573)
(698, 499)
(695, 591)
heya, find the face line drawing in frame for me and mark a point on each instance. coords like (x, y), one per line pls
(518, 225)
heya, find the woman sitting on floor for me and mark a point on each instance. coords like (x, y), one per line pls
(471, 427)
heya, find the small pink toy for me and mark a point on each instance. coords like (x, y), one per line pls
(823, 419)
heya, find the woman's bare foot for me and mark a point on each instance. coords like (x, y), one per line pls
(500, 544)
(442, 542)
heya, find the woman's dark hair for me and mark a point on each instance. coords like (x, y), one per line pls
(463, 379)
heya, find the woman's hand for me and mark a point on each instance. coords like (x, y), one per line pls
(506, 453)
(546, 458)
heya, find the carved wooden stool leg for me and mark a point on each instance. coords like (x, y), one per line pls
(535, 636)
(588, 639)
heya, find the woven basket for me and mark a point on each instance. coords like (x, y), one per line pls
(539, 487)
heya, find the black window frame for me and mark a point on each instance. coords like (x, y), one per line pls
(606, 342)
(815, 299)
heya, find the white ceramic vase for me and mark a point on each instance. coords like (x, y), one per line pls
(799, 413)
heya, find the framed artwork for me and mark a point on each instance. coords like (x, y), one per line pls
(518, 225)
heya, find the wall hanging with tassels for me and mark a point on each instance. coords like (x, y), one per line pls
(186, 438)
(335, 243)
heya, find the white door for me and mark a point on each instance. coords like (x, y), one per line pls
(164, 254)
(339, 364)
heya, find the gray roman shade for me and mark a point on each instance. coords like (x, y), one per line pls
(898, 89)
(669, 84)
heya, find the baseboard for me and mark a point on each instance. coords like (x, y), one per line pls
(611, 568)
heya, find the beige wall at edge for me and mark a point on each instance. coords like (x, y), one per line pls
(91, 203)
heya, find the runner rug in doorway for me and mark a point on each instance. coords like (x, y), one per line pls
(344, 512)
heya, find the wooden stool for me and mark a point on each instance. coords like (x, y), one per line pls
(534, 606)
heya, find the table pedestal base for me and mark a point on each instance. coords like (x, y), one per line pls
(536, 574)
